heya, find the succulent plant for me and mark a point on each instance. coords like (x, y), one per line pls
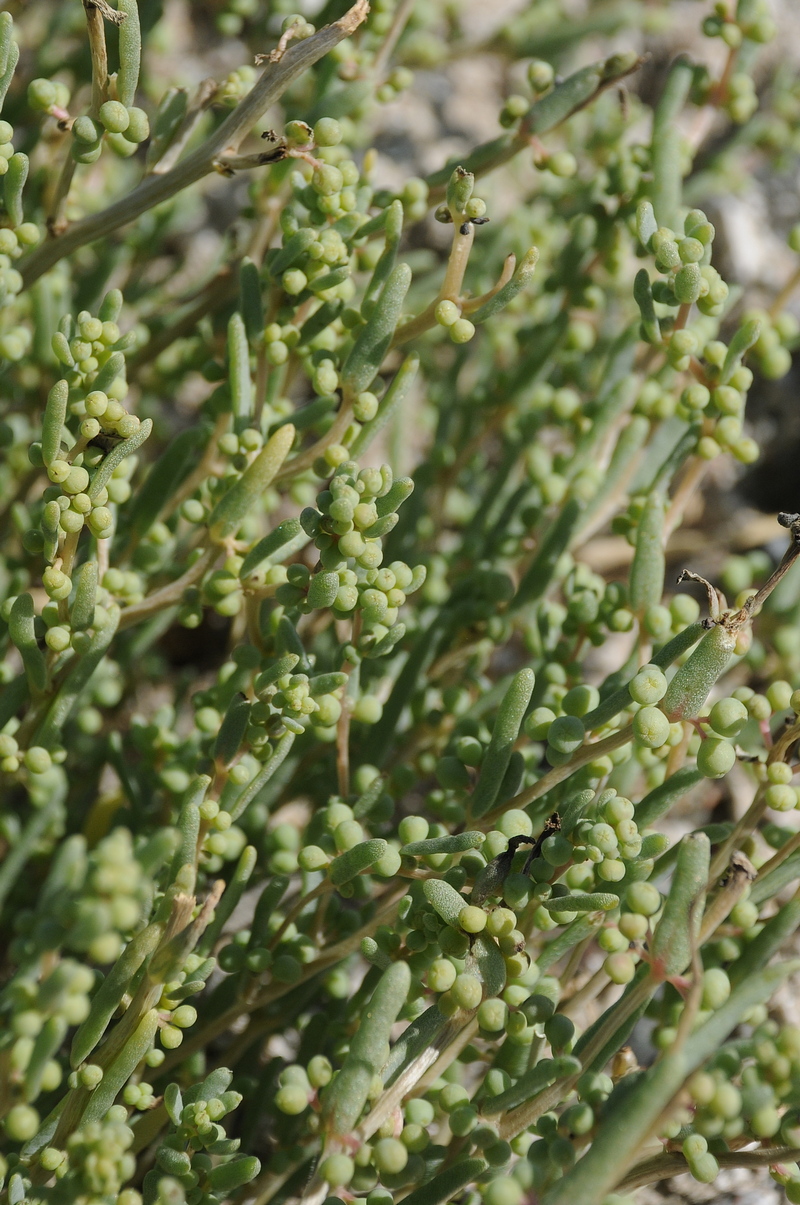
(338, 848)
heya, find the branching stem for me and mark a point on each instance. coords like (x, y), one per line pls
(226, 139)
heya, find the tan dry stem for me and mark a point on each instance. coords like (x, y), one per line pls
(450, 290)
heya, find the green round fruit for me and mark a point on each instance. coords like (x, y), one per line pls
(715, 757)
(650, 727)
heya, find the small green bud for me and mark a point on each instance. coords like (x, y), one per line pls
(327, 132)
(337, 1170)
(472, 919)
(620, 967)
(562, 164)
(114, 116)
(84, 130)
(540, 75)
(447, 312)
(138, 128)
(728, 717)
(650, 727)
(688, 283)
(462, 330)
(715, 757)
(42, 95)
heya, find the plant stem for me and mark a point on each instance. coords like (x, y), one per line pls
(743, 829)
(785, 293)
(777, 859)
(553, 777)
(673, 1163)
(757, 808)
(155, 189)
(275, 991)
(399, 21)
(206, 90)
(56, 220)
(450, 290)
(297, 907)
(97, 49)
(168, 595)
(690, 483)
(17, 856)
(304, 460)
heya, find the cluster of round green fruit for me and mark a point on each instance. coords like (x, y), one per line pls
(772, 351)
(40, 1015)
(685, 262)
(336, 831)
(751, 22)
(91, 355)
(35, 759)
(124, 127)
(96, 1160)
(85, 345)
(197, 1152)
(99, 904)
(15, 238)
(69, 503)
(448, 314)
(290, 701)
(230, 20)
(236, 85)
(330, 192)
(740, 1095)
(354, 512)
(221, 590)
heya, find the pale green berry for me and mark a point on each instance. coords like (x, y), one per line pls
(472, 919)
(781, 798)
(291, 1099)
(389, 1155)
(294, 281)
(138, 128)
(21, 1123)
(441, 975)
(643, 898)
(649, 686)
(368, 709)
(500, 922)
(327, 132)
(492, 1015)
(562, 164)
(58, 639)
(650, 728)
(620, 967)
(337, 1170)
(114, 116)
(503, 1190)
(716, 987)
(728, 717)
(779, 772)
(462, 330)
(37, 759)
(42, 95)
(467, 991)
(715, 757)
(447, 312)
(365, 407)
